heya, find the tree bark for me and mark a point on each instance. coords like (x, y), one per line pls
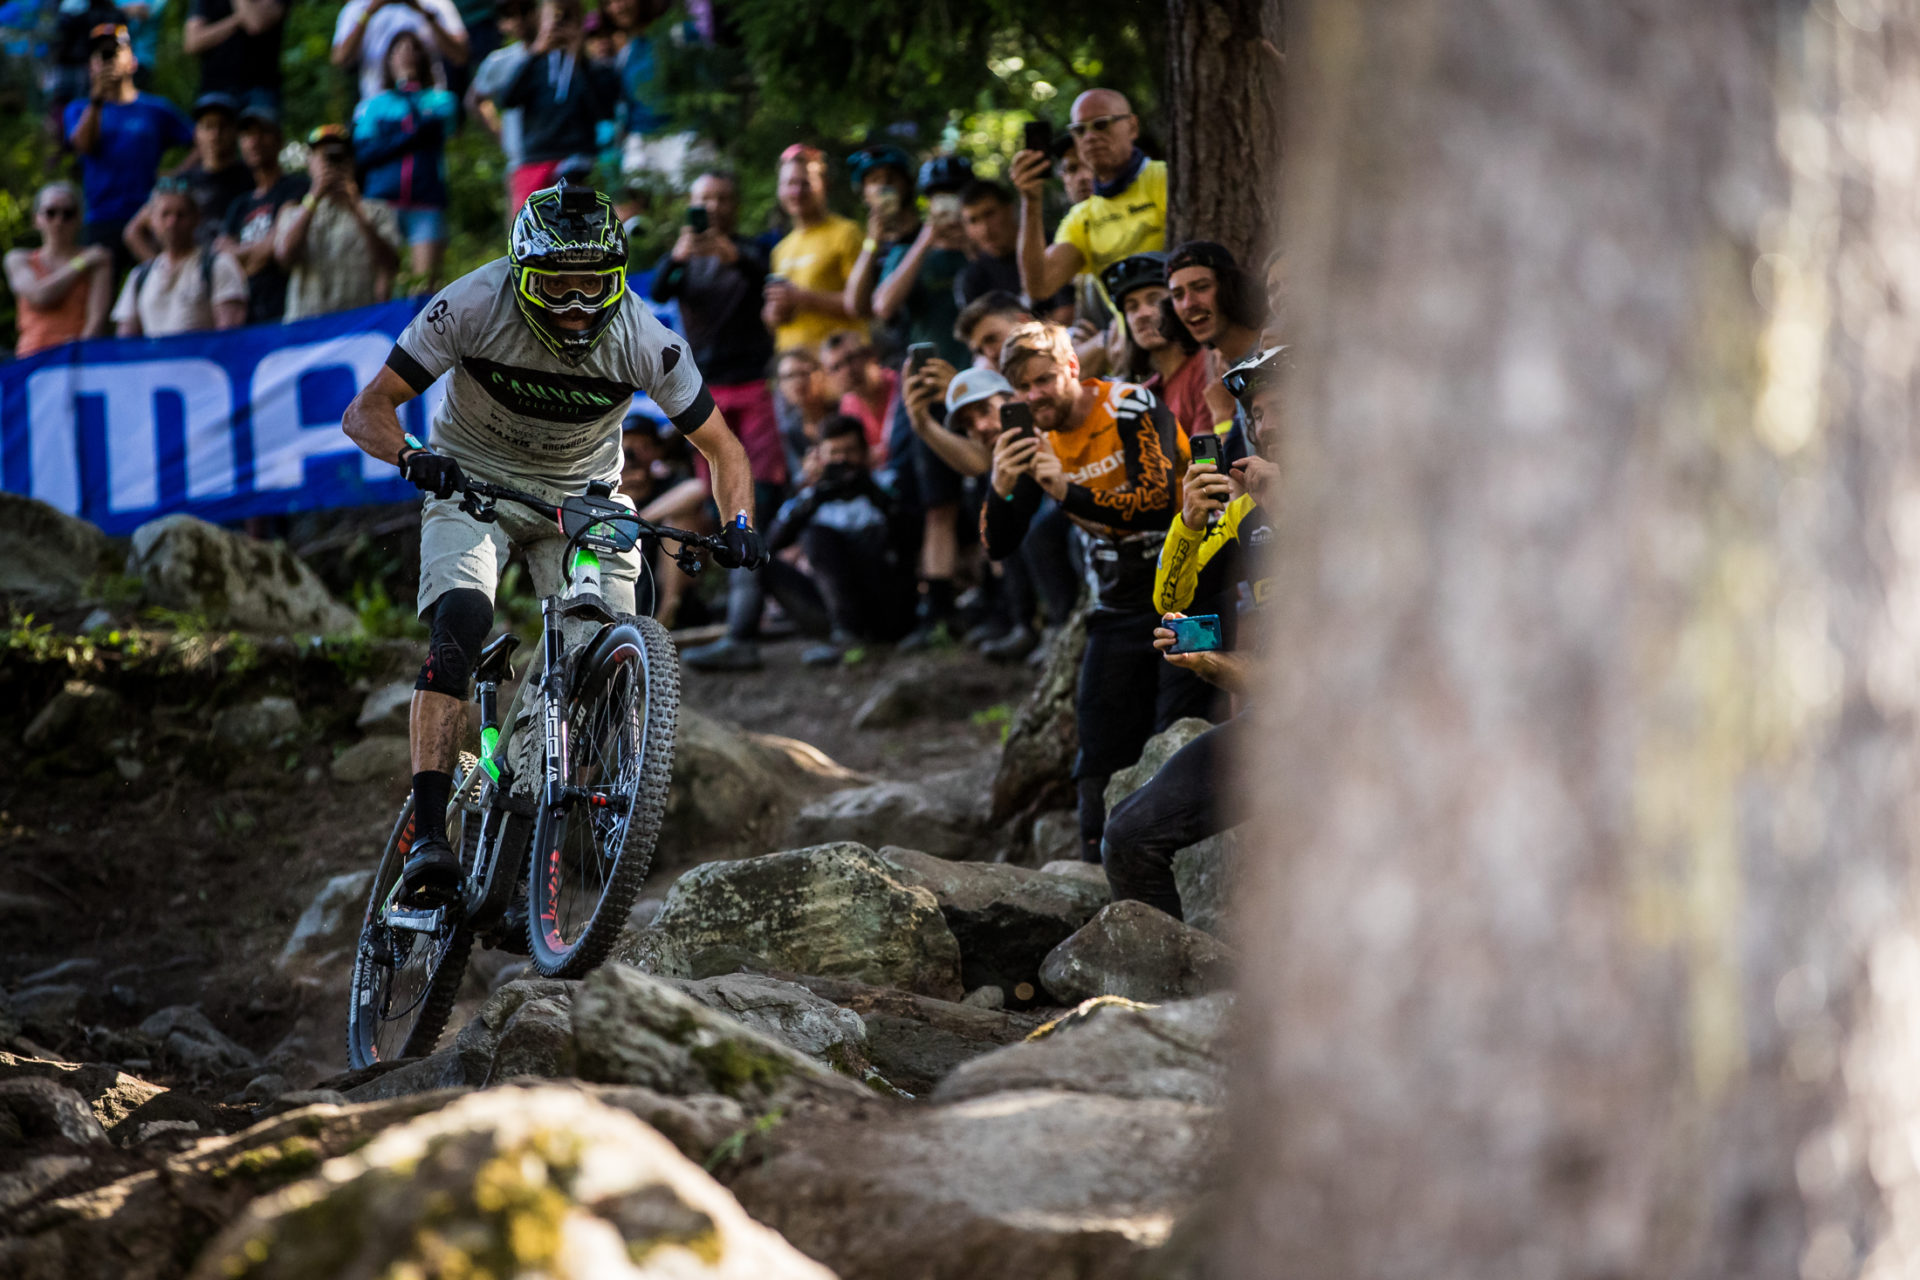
(1584, 944)
(1225, 115)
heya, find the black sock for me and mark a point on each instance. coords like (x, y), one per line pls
(431, 790)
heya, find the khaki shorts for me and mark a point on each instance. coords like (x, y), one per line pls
(458, 551)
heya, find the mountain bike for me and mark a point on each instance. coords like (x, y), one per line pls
(555, 819)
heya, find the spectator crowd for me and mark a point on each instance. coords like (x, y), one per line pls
(968, 420)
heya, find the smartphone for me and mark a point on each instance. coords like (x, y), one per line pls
(774, 277)
(1195, 635)
(697, 218)
(1038, 137)
(944, 205)
(1016, 416)
(918, 354)
(1206, 448)
(886, 201)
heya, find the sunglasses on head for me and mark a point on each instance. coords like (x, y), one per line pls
(1099, 124)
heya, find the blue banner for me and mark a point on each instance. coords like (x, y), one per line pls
(223, 425)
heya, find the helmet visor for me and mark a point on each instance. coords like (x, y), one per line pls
(559, 290)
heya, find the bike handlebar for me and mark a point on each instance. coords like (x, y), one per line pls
(551, 511)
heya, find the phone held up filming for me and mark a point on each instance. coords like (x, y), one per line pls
(1016, 419)
(1200, 634)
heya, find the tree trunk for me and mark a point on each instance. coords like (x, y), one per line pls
(1584, 944)
(1224, 112)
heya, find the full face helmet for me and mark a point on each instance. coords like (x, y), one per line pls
(569, 256)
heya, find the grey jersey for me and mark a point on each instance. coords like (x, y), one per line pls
(514, 410)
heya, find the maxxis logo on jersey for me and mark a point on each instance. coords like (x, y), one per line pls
(539, 393)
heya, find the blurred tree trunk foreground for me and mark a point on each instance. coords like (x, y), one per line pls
(1584, 944)
(1225, 99)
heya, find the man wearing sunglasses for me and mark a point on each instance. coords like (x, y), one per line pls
(1126, 214)
(543, 351)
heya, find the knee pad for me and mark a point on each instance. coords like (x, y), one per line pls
(461, 619)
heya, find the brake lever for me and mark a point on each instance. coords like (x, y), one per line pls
(481, 509)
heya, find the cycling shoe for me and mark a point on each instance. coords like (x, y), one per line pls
(431, 877)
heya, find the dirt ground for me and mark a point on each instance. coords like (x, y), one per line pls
(181, 885)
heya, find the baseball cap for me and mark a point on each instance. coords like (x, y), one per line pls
(330, 135)
(971, 386)
(215, 102)
(258, 112)
(108, 33)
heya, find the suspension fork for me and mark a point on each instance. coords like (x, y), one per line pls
(553, 651)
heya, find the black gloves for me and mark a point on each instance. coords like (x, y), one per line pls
(744, 548)
(432, 473)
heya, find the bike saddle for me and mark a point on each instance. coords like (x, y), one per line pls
(496, 660)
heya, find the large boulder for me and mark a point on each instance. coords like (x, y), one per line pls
(1160, 748)
(1036, 764)
(836, 910)
(232, 580)
(112, 1094)
(914, 1041)
(33, 1109)
(735, 792)
(521, 1182)
(882, 812)
(1203, 874)
(1112, 1046)
(630, 1028)
(1133, 950)
(329, 926)
(382, 757)
(1040, 1183)
(49, 558)
(149, 1223)
(249, 726)
(789, 1013)
(1005, 918)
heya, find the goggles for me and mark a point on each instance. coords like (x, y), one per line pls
(558, 290)
(1254, 373)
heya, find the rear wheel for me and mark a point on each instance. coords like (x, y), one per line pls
(408, 965)
(590, 859)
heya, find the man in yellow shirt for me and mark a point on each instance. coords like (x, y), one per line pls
(804, 291)
(1125, 215)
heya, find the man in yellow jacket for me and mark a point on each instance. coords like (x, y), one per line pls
(1213, 561)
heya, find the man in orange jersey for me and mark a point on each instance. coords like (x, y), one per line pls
(1113, 458)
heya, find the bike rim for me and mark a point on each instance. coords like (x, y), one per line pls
(400, 964)
(606, 740)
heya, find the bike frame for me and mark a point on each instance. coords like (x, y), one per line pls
(506, 823)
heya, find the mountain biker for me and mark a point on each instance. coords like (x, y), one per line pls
(535, 401)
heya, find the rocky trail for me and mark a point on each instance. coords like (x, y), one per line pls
(864, 1022)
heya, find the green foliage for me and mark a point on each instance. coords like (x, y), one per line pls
(954, 76)
(959, 77)
(381, 618)
(998, 717)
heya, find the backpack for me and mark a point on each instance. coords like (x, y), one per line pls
(141, 272)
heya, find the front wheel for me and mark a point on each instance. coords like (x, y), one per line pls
(408, 964)
(590, 857)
